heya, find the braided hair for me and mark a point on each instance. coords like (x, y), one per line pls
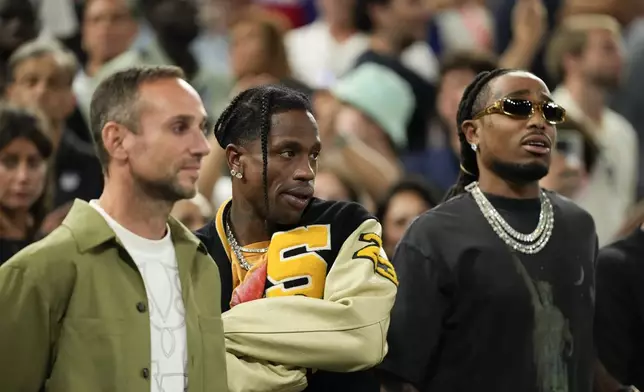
(248, 117)
(473, 101)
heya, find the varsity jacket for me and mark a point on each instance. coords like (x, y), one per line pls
(328, 294)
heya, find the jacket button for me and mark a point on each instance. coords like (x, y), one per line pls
(141, 307)
(145, 373)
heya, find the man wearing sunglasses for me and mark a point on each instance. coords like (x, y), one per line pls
(497, 283)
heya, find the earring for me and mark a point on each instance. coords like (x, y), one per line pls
(236, 174)
(474, 146)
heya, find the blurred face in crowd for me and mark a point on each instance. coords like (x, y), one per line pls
(402, 209)
(248, 51)
(188, 213)
(43, 83)
(108, 29)
(516, 149)
(602, 59)
(17, 24)
(452, 86)
(406, 18)
(338, 12)
(328, 186)
(23, 174)
(163, 155)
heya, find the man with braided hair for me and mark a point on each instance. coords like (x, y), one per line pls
(307, 288)
(497, 283)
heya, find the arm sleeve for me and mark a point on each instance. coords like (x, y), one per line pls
(615, 313)
(344, 332)
(28, 327)
(417, 316)
(248, 375)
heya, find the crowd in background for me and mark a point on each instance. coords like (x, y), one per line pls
(385, 78)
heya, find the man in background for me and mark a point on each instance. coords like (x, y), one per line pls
(586, 55)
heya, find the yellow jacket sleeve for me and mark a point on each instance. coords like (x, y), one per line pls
(344, 332)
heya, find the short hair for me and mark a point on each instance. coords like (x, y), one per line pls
(471, 60)
(362, 14)
(39, 48)
(570, 39)
(472, 102)
(248, 118)
(116, 99)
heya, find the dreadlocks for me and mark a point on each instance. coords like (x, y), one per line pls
(473, 101)
(248, 117)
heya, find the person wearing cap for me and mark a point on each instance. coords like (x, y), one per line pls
(365, 115)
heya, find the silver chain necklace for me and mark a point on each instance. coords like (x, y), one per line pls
(525, 243)
(237, 249)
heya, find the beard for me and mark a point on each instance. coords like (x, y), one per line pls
(519, 173)
(164, 189)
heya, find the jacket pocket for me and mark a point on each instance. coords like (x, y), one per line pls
(214, 353)
(89, 356)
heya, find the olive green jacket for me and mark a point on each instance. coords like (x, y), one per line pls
(73, 313)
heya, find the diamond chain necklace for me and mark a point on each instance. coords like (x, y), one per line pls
(525, 243)
(237, 249)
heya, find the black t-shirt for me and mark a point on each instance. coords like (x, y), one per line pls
(619, 317)
(8, 248)
(424, 94)
(77, 171)
(472, 316)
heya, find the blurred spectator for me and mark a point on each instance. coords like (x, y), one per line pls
(522, 28)
(439, 163)
(402, 204)
(330, 185)
(194, 213)
(41, 75)
(175, 26)
(394, 25)
(326, 49)
(362, 125)
(586, 54)
(573, 159)
(24, 152)
(108, 30)
(18, 24)
(258, 55)
(627, 101)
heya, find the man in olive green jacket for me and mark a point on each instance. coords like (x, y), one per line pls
(121, 297)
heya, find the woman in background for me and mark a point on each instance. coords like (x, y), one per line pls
(405, 201)
(24, 153)
(258, 55)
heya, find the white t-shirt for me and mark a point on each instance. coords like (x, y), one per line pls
(157, 263)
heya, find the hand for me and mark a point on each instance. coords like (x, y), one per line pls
(529, 22)
(563, 178)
